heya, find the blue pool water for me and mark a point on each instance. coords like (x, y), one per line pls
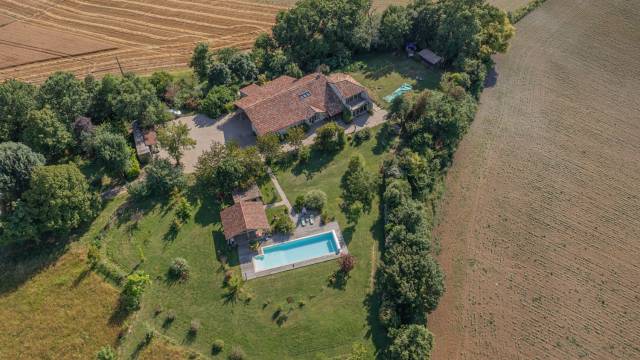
(296, 250)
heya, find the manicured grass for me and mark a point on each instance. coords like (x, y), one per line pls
(328, 324)
(384, 73)
(271, 212)
(269, 193)
(55, 308)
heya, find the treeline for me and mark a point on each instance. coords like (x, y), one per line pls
(521, 12)
(47, 131)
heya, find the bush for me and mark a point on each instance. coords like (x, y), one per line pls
(163, 178)
(194, 327)
(326, 218)
(171, 316)
(133, 290)
(133, 171)
(217, 346)
(179, 269)
(237, 354)
(362, 136)
(215, 104)
(298, 203)
(347, 115)
(106, 353)
(183, 210)
(411, 342)
(347, 262)
(138, 190)
(330, 137)
(282, 223)
(315, 200)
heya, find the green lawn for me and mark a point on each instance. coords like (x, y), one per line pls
(268, 191)
(271, 213)
(384, 73)
(329, 323)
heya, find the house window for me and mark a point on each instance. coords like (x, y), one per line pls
(304, 95)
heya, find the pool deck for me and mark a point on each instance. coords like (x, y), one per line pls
(245, 254)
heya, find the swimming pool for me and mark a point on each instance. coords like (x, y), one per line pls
(297, 250)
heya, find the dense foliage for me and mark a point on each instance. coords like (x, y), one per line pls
(330, 137)
(133, 289)
(358, 185)
(17, 99)
(175, 139)
(225, 168)
(411, 342)
(17, 163)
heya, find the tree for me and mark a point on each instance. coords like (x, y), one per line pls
(219, 74)
(58, 200)
(293, 70)
(200, 61)
(135, 99)
(395, 25)
(357, 183)
(323, 31)
(163, 178)
(133, 290)
(295, 136)
(330, 137)
(17, 163)
(218, 101)
(347, 263)
(17, 99)
(411, 342)
(227, 167)
(282, 223)
(161, 80)
(65, 95)
(269, 146)
(103, 100)
(174, 138)
(242, 67)
(112, 151)
(46, 134)
(315, 200)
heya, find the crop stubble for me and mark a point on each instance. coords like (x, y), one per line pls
(540, 227)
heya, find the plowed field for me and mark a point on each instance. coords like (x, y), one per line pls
(540, 228)
(142, 35)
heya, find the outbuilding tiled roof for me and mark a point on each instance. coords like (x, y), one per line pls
(286, 101)
(242, 217)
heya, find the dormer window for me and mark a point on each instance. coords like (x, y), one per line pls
(304, 95)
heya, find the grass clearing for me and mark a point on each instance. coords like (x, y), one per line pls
(57, 310)
(384, 73)
(268, 191)
(271, 212)
(321, 320)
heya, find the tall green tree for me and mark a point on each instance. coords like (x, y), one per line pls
(269, 146)
(136, 99)
(411, 342)
(358, 185)
(46, 134)
(219, 74)
(17, 163)
(58, 201)
(175, 139)
(17, 99)
(295, 137)
(225, 168)
(65, 95)
(242, 67)
(112, 151)
(200, 60)
(218, 101)
(318, 32)
(395, 26)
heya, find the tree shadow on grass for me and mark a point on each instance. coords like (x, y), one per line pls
(384, 139)
(20, 263)
(80, 278)
(318, 160)
(119, 315)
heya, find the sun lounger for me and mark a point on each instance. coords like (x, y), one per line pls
(311, 220)
(304, 222)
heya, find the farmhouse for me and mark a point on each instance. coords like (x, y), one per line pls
(286, 101)
(245, 218)
(430, 57)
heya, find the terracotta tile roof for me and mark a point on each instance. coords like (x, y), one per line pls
(286, 101)
(347, 85)
(243, 216)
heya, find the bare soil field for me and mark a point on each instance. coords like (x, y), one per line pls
(540, 229)
(145, 35)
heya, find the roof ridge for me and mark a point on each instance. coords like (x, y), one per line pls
(287, 89)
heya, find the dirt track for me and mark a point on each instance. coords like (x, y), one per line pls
(540, 227)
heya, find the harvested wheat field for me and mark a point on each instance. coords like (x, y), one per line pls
(144, 36)
(540, 227)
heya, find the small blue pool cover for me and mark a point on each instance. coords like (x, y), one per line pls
(403, 89)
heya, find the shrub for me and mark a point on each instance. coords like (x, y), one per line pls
(183, 210)
(411, 342)
(330, 137)
(326, 218)
(138, 190)
(298, 203)
(215, 103)
(179, 269)
(106, 353)
(133, 171)
(347, 263)
(362, 136)
(163, 178)
(237, 354)
(282, 223)
(171, 316)
(194, 327)
(217, 346)
(133, 290)
(315, 200)
(347, 115)
(304, 154)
